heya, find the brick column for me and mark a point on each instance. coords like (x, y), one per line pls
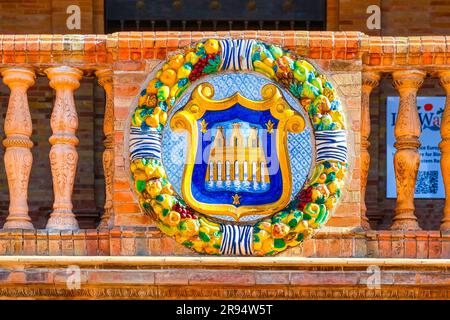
(63, 154)
(105, 80)
(444, 77)
(407, 157)
(18, 158)
(369, 81)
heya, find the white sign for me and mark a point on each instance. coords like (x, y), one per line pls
(429, 182)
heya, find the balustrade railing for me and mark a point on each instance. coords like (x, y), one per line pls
(407, 81)
(444, 145)
(63, 154)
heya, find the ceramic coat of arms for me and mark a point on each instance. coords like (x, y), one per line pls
(238, 147)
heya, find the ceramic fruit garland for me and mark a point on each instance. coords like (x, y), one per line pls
(311, 207)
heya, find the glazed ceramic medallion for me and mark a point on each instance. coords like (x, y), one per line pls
(238, 147)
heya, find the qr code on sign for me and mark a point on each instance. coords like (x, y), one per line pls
(427, 182)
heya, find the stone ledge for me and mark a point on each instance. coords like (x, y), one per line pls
(101, 49)
(128, 241)
(208, 293)
(131, 262)
(90, 52)
(223, 277)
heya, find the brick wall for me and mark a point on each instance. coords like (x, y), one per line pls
(25, 16)
(398, 17)
(129, 76)
(49, 16)
(350, 15)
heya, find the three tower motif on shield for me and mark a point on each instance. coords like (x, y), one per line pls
(237, 159)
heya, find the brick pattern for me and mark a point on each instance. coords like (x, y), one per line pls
(49, 16)
(391, 53)
(98, 50)
(388, 53)
(398, 17)
(21, 16)
(351, 15)
(149, 279)
(44, 50)
(419, 244)
(315, 44)
(128, 76)
(59, 16)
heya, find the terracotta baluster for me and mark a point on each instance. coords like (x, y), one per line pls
(369, 81)
(105, 80)
(445, 149)
(63, 154)
(407, 158)
(18, 158)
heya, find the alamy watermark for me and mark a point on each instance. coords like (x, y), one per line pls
(73, 21)
(374, 279)
(373, 21)
(73, 280)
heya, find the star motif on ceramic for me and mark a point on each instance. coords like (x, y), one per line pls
(269, 126)
(204, 125)
(236, 199)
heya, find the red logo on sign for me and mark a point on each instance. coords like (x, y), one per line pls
(428, 107)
